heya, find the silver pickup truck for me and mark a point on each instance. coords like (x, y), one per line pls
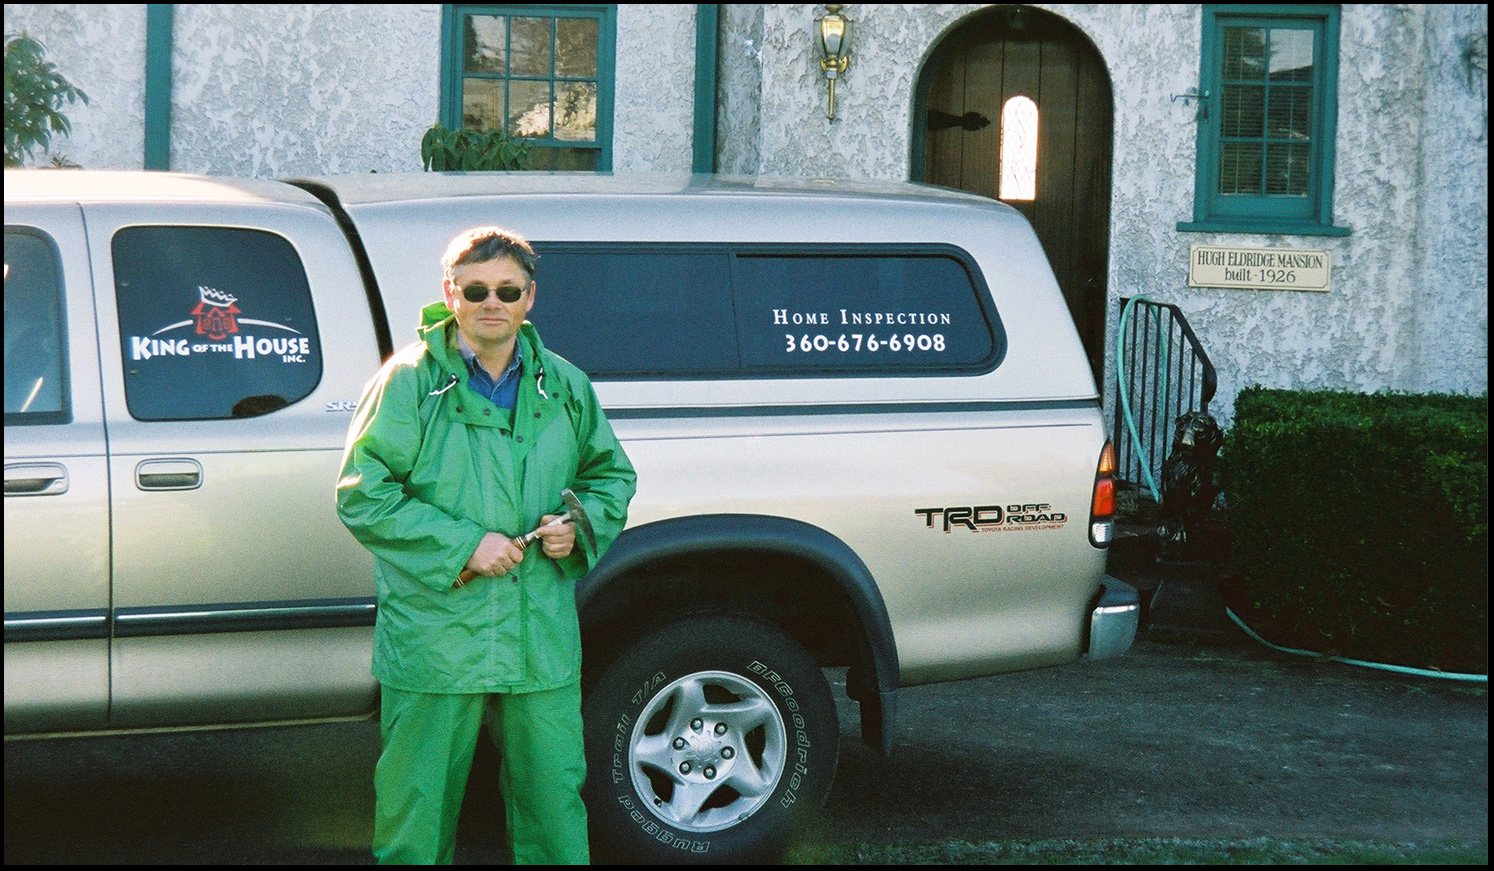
(865, 431)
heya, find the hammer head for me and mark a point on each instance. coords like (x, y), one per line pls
(578, 517)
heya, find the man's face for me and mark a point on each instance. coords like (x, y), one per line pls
(491, 323)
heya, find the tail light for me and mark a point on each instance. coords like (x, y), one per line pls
(1102, 505)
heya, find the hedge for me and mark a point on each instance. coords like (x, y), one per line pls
(1360, 524)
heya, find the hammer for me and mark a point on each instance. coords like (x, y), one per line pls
(574, 513)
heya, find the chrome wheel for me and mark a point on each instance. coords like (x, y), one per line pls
(707, 751)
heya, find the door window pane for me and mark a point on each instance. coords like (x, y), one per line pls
(36, 389)
(1019, 144)
(214, 322)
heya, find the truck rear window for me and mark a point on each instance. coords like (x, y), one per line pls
(214, 322)
(630, 311)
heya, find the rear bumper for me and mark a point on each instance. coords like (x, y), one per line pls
(1113, 620)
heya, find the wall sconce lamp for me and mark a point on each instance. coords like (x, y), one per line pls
(835, 37)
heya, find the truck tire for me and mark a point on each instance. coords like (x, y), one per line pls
(709, 740)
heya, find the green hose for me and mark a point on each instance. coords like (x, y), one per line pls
(1398, 669)
(1125, 398)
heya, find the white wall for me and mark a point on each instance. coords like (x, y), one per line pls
(281, 90)
(1452, 324)
(278, 90)
(1409, 304)
(655, 106)
(100, 49)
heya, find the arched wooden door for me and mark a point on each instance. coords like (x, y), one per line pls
(989, 63)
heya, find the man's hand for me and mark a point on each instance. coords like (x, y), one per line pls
(495, 555)
(557, 539)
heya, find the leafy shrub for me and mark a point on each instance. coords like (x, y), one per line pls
(442, 149)
(1361, 523)
(34, 92)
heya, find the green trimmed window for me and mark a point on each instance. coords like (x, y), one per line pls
(1266, 125)
(540, 73)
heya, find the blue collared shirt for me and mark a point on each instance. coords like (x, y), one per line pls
(504, 392)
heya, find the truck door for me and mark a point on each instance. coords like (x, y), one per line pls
(238, 596)
(56, 480)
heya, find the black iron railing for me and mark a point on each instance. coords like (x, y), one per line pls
(1162, 372)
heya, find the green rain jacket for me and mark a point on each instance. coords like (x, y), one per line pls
(430, 467)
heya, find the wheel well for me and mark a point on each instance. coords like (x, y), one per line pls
(800, 577)
(793, 592)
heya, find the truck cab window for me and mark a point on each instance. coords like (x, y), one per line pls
(36, 389)
(215, 322)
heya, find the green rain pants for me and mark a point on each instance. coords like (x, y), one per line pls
(428, 741)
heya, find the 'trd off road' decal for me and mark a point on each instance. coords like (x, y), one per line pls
(994, 518)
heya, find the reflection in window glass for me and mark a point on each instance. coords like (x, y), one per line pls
(482, 104)
(36, 389)
(1019, 132)
(531, 46)
(485, 46)
(529, 109)
(576, 111)
(625, 313)
(576, 47)
(214, 322)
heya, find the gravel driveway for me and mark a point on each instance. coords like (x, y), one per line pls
(1197, 741)
(1174, 740)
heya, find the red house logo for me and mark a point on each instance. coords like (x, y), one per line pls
(215, 313)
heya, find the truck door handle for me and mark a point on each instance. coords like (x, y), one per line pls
(172, 474)
(35, 479)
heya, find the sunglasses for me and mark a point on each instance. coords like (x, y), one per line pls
(479, 293)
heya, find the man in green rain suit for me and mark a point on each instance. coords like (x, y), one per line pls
(463, 441)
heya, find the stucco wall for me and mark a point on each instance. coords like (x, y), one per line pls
(283, 90)
(93, 47)
(302, 89)
(277, 90)
(1408, 308)
(739, 88)
(655, 106)
(1452, 323)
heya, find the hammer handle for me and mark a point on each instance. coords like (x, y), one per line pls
(526, 540)
(523, 542)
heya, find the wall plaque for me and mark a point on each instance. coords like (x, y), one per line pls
(1259, 268)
